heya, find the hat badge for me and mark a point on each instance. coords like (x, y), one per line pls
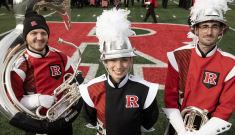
(33, 23)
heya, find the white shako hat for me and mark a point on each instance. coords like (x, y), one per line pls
(206, 10)
(113, 30)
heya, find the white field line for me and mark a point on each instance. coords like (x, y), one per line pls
(151, 32)
(138, 68)
(6, 32)
(232, 28)
(13, 29)
(175, 2)
(50, 14)
(4, 6)
(93, 67)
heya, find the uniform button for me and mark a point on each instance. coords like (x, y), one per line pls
(131, 76)
(103, 77)
(228, 126)
(223, 128)
(218, 130)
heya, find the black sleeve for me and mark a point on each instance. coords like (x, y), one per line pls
(150, 115)
(89, 114)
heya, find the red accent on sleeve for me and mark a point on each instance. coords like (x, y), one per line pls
(226, 102)
(98, 96)
(171, 88)
(17, 85)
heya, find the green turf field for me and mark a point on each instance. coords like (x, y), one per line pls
(173, 14)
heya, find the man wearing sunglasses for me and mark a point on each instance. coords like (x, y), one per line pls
(201, 76)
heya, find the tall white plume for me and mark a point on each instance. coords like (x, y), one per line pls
(111, 26)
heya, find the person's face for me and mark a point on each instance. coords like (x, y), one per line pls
(118, 67)
(208, 37)
(37, 39)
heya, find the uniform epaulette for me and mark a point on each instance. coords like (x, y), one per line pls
(226, 53)
(98, 79)
(189, 46)
(139, 80)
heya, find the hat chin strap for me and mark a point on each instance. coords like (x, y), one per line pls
(130, 68)
(105, 67)
(220, 37)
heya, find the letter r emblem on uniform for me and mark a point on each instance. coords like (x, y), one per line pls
(55, 71)
(210, 79)
(131, 101)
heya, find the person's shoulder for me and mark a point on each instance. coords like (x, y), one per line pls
(52, 50)
(23, 57)
(139, 80)
(151, 91)
(226, 54)
(182, 50)
(189, 46)
(22, 62)
(60, 53)
(101, 78)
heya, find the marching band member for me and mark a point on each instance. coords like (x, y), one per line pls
(118, 103)
(39, 70)
(202, 75)
(150, 11)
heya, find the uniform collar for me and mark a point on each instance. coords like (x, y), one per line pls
(208, 54)
(118, 85)
(38, 55)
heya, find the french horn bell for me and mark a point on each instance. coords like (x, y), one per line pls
(189, 114)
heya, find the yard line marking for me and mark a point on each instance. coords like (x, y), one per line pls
(49, 14)
(6, 32)
(4, 6)
(157, 16)
(92, 32)
(138, 68)
(94, 15)
(232, 28)
(14, 29)
(231, 3)
(174, 16)
(93, 67)
(151, 32)
(2, 14)
(175, 2)
(78, 15)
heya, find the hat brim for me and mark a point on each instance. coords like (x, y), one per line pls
(121, 55)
